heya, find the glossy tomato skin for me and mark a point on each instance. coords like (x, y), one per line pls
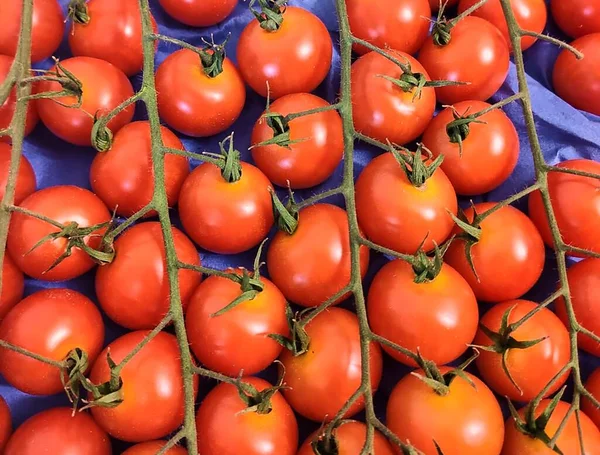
(312, 160)
(324, 378)
(294, 59)
(25, 177)
(51, 323)
(313, 264)
(593, 386)
(104, 87)
(577, 18)
(13, 284)
(417, 414)
(7, 110)
(193, 103)
(576, 205)
(123, 176)
(5, 424)
(59, 431)
(64, 204)
(399, 215)
(152, 389)
(152, 448)
(489, 153)
(383, 110)
(509, 257)
(198, 13)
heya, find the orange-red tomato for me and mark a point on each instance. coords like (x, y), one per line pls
(5, 424)
(152, 448)
(593, 386)
(198, 13)
(577, 17)
(7, 110)
(25, 176)
(13, 284)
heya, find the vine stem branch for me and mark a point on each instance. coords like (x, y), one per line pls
(33, 355)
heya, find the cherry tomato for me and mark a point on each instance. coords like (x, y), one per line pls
(198, 13)
(576, 205)
(225, 429)
(152, 389)
(5, 424)
(152, 448)
(577, 17)
(104, 87)
(508, 258)
(46, 28)
(192, 102)
(7, 110)
(350, 437)
(310, 161)
(293, 59)
(13, 284)
(435, 4)
(123, 176)
(51, 323)
(593, 386)
(313, 264)
(64, 204)
(383, 110)
(25, 177)
(320, 381)
(133, 290)
(489, 152)
(465, 421)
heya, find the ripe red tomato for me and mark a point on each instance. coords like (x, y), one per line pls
(225, 429)
(104, 87)
(466, 421)
(59, 431)
(320, 381)
(509, 257)
(489, 152)
(46, 32)
(399, 215)
(123, 177)
(293, 59)
(435, 4)
(308, 162)
(25, 177)
(576, 205)
(5, 424)
(312, 264)
(593, 386)
(383, 110)
(13, 284)
(577, 17)
(152, 389)
(198, 13)
(7, 110)
(152, 448)
(51, 323)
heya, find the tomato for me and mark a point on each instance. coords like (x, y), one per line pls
(198, 13)
(194, 103)
(399, 215)
(576, 81)
(225, 429)
(577, 18)
(310, 161)
(104, 87)
(593, 386)
(576, 205)
(25, 177)
(435, 4)
(13, 284)
(152, 448)
(152, 389)
(320, 381)
(293, 59)
(123, 177)
(51, 323)
(64, 204)
(531, 15)
(508, 258)
(383, 110)
(379, 23)
(313, 264)
(7, 110)
(489, 152)
(133, 290)
(59, 431)
(465, 421)
(350, 437)
(46, 29)
(5, 424)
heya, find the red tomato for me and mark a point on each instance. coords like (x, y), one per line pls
(489, 152)
(417, 316)
(577, 17)
(509, 257)
(152, 448)
(198, 13)
(25, 177)
(313, 263)
(293, 59)
(59, 431)
(320, 381)
(7, 110)
(593, 386)
(64, 204)
(530, 14)
(13, 284)
(225, 429)
(46, 32)
(548, 356)
(466, 421)
(194, 103)
(383, 110)
(123, 177)
(576, 205)
(399, 215)
(104, 87)
(51, 323)
(5, 424)
(133, 290)
(576, 81)
(152, 389)
(435, 4)
(478, 42)
(308, 162)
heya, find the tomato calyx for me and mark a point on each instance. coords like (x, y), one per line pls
(71, 86)
(231, 167)
(77, 11)
(427, 268)
(286, 216)
(270, 15)
(109, 394)
(470, 235)
(298, 341)
(440, 383)
(441, 28)
(258, 402)
(280, 125)
(417, 168)
(458, 130)
(73, 376)
(326, 443)
(212, 56)
(102, 136)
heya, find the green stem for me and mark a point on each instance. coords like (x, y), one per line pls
(316, 110)
(318, 197)
(554, 41)
(466, 12)
(33, 355)
(202, 157)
